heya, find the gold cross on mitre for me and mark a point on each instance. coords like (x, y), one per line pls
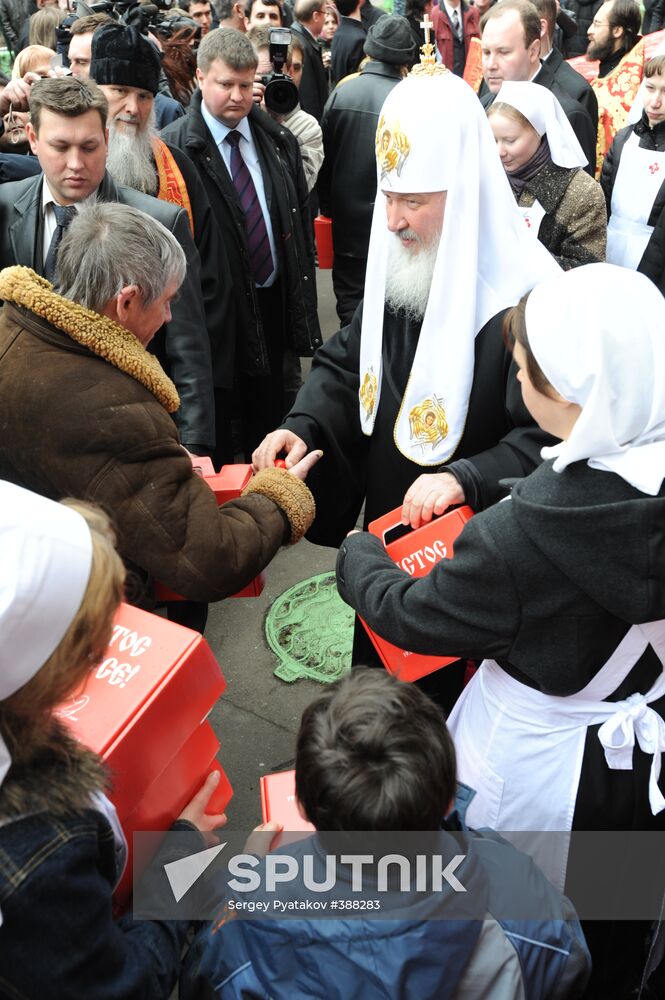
(428, 64)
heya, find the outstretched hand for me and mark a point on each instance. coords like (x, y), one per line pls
(276, 443)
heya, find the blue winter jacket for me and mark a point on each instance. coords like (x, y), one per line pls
(417, 954)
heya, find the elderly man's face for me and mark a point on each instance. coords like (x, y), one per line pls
(80, 54)
(71, 152)
(145, 321)
(129, 107)
(417, 219)
(504, 51)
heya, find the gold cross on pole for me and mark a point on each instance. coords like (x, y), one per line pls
(427, 26)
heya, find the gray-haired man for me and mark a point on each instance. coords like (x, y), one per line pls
(85, 408)
(68, 135)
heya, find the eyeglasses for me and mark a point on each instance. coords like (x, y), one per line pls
(600, 24)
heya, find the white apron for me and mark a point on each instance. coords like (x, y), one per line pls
(639, 178)
(521, 750)
(533, 215)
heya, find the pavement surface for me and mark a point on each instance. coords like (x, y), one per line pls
(257, 717)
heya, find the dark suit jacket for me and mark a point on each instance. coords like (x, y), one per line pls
(574, 84)
(348, 48)
(185, 338)
(288, 204)
(578, 117)
(314, 83)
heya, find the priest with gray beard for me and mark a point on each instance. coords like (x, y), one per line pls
(416, 404)
(126, 66)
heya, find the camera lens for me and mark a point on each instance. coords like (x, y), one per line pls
(281, 96)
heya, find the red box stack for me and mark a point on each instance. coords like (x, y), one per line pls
(143, 710)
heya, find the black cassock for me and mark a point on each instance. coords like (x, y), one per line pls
(500, 439)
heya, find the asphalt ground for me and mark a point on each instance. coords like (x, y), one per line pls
(257, 717)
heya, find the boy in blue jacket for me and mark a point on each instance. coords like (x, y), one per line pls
(373, 754)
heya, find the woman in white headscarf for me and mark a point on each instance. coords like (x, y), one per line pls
(61, 847)
(544, 162)
(561, 589)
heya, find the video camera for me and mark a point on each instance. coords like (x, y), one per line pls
(281, 94)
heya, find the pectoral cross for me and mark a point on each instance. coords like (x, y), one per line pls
(427, 26)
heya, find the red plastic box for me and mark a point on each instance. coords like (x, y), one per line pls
(143, 711)
(324, 241)
(416, 552)
(278, 801)
(227, 484)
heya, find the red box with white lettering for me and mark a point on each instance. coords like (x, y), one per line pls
(278, 801)
(227, 484)
(416, 553)
(143, 711)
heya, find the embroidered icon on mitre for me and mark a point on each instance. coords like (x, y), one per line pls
(392, 148)
(368, 392)
(428, 423)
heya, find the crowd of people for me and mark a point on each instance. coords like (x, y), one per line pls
(499, 271)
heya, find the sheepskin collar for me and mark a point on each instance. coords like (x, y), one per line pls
(60, 777)
(101, 335)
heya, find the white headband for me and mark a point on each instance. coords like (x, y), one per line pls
(45, 560)
(597, 334)
(543, 111)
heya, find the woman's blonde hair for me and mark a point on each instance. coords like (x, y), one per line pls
(29, 58)
(508, 111)
(24, 715)
(43, 26)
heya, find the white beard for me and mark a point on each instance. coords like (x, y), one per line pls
(409, 276)
(130, 160)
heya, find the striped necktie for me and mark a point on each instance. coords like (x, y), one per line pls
(456, 23)
(260, 255)
(63, 216)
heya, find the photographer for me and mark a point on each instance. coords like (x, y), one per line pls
(279, 103)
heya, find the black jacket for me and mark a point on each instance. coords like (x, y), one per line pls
(348, 48)
(654, 16)
(584, 12)
(314, 82)
(500, 438)
(288, 203)
(578, 117)
(183, 342)
(574, 84)
(216, 283)
(347, 181)
(547, 583)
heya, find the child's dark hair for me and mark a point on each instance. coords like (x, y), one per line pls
(514, 332)
(374, 753)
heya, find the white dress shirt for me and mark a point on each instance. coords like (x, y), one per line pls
(249, 153)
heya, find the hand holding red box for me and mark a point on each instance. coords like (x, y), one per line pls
(416, 552)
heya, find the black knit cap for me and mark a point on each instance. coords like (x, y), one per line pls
(121, 56)
(390, 41)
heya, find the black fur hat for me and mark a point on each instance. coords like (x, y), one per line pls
(122, 56)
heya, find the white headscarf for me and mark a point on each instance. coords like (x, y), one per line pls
(433, 135)
(543, 111)
(45, 560)
(597, 334)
